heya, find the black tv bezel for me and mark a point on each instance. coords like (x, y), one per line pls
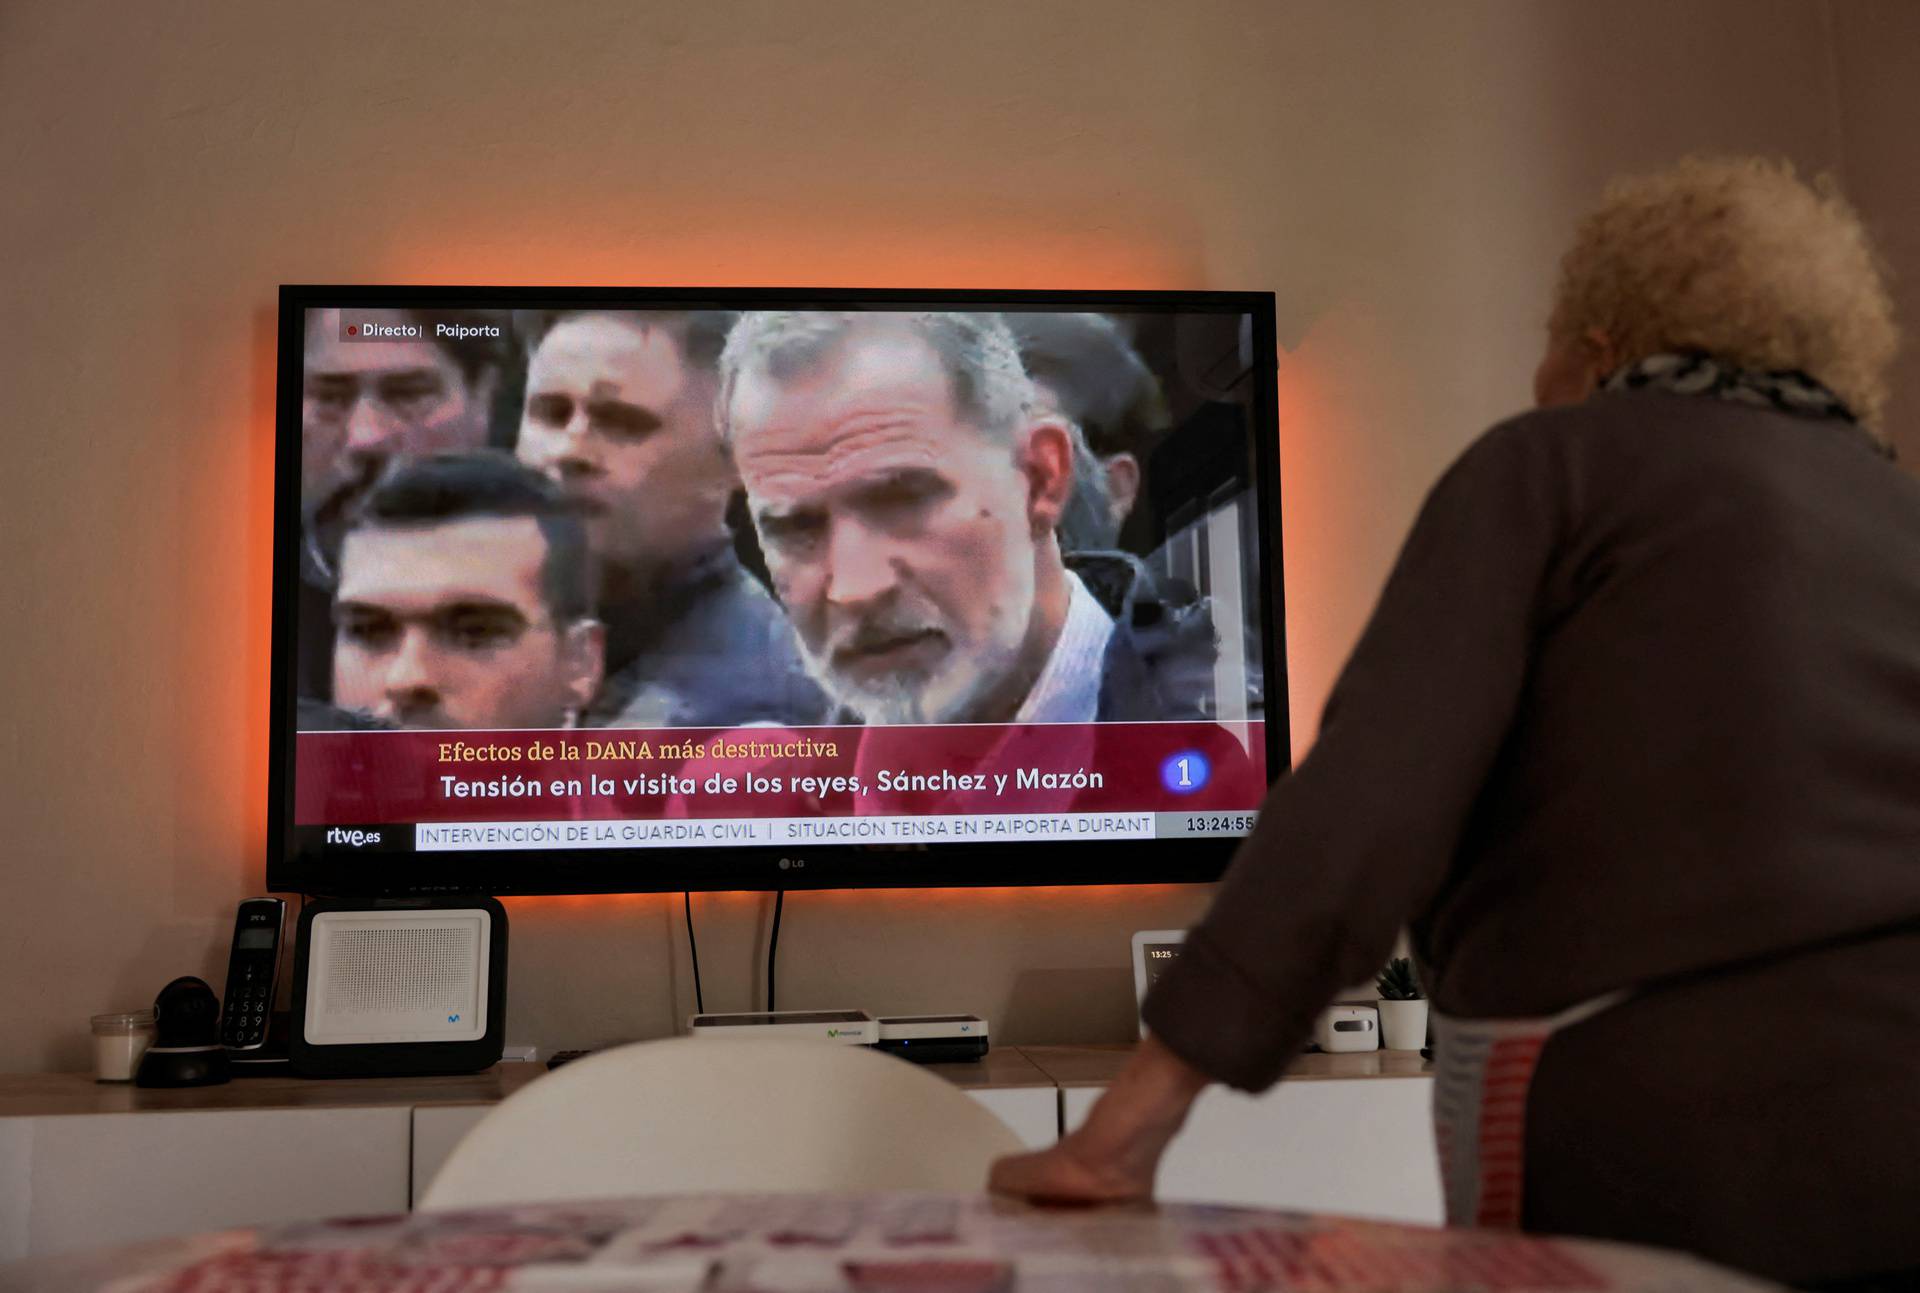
(849, 866)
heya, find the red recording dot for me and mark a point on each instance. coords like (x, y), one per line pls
(353, 329)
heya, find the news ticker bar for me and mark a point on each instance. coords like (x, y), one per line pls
(724, 832)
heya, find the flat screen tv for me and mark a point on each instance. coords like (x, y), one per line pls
(633, 589)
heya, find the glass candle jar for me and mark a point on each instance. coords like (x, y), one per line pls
(118, 1043)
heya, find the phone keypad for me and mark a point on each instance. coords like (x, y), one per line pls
(249, 1005)
(247, 1009)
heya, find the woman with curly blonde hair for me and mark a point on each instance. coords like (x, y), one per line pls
(1736, 261)
(1632, 744)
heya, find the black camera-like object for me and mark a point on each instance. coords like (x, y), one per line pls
(186, 1048)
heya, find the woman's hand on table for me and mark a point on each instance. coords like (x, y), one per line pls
(1113, 1157)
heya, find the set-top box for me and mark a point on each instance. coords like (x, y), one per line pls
(934, 1039)
(853, 1027)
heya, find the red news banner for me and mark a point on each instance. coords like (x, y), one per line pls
(347, 778)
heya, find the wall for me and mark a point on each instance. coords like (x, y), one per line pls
(1401, 175)
(1876, 87)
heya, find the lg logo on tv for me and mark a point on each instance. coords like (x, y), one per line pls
(341, 835)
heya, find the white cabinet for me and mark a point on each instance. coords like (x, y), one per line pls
(1032, 1111)
(83, 1165)
(98, 1179)
(436, 1130)
(16, 1186)
(1356, 1146)
(86, 1165)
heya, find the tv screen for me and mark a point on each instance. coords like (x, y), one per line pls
(626, 590)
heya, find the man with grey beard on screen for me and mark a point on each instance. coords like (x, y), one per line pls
(907, 495)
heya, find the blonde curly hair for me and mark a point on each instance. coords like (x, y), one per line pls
(1740, 258)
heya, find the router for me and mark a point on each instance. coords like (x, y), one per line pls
(934, 1039)
(852, 1027)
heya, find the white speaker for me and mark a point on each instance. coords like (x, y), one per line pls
(1347, 1028)
(389, 987)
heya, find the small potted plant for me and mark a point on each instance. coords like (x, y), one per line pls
(1403, 1009)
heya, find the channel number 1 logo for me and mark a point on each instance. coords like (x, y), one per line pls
(1186, 772)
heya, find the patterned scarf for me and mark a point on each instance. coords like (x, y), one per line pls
(1696, 373)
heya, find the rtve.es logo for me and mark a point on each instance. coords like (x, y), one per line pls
(342, 835)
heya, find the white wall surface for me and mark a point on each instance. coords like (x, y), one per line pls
(1402, 175)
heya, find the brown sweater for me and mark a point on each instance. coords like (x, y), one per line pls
(1639, 707)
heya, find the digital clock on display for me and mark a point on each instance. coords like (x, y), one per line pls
(1155, 951)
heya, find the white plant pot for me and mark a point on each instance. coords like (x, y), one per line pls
(1403, 1025)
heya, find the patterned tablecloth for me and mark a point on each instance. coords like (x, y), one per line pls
(898, 1243)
